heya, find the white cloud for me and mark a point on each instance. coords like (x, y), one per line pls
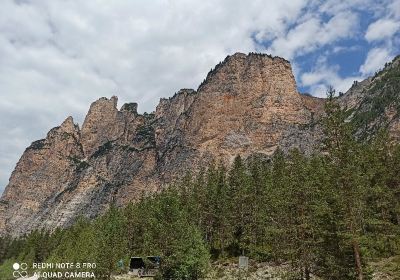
(383, 35)
(323, 76)
(382, 29)
(312, 33)
(333, 7)
(375, 60)
(394, 8)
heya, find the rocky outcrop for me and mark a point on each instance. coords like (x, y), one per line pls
(374, 103)
(79, 171)
(45, 169)
(103, 123)
(247, 105)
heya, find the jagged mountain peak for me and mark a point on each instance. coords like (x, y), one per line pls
(130, 107)
(248, 105)
(237, 61)
(69, 126)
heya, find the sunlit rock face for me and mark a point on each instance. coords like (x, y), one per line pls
(248, 105)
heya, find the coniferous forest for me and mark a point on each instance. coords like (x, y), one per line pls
(330, 214)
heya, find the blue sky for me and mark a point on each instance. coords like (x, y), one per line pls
(56, 57)
(339, 42)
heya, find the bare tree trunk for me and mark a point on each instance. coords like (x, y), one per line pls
(357, 257)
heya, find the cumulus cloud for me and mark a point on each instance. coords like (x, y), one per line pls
(333, 7)
(375, 60)
(323, 76)
(394, 8)
(381, 29)
(383, 36)
(312, 33)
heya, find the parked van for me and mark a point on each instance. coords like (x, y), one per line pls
(144, 266)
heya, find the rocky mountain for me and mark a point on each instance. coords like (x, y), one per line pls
(374, 103)
(248, 105)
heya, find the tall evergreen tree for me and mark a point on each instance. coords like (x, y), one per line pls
(345, 154)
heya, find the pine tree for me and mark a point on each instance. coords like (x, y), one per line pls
(111, 241)
(240, 207)
(344, 152)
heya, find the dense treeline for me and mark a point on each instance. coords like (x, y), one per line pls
(328, 214)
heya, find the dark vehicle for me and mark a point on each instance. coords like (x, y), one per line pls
(144, 267)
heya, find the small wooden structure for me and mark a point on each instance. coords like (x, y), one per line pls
(145, 266)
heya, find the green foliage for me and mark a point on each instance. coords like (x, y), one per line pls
(146, 133)
(161, 226)
(79, 163)
(37, 145)
(6, 270)
(131, 107)
(81, 235)
(111, 241)
(103, 149)
(382, 95)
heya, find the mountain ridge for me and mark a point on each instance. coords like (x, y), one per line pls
(247, 105)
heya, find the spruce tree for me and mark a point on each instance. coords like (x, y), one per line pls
(345, 154)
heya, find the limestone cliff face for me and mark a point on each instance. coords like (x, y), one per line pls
(74, 171)
(43, 171)
(247, 105)
(102, 124)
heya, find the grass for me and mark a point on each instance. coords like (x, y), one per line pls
(389, 268)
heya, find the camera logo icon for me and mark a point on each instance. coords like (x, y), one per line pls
(20, 270)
